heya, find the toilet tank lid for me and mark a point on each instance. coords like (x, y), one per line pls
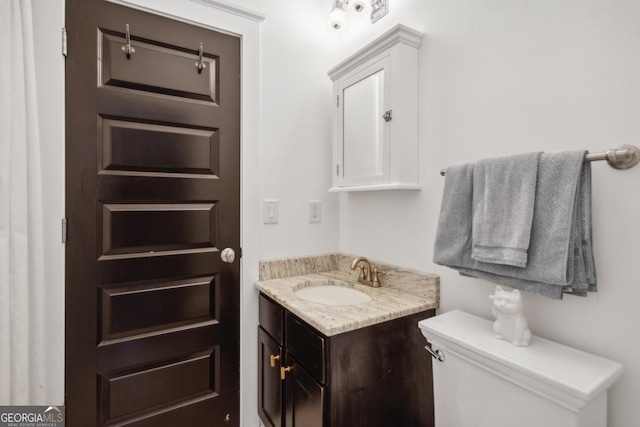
(545, 367)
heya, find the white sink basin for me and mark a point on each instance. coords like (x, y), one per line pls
(331, 294)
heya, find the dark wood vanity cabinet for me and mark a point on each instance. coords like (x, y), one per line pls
(376, 376)
(298, 399)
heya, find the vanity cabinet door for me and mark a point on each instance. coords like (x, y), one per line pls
(269, 382)
(305, 398)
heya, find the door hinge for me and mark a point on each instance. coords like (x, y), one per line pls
(337, 170)
(64, 42)
(64, 230)
(337, 100)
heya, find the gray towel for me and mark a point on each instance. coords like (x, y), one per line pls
(504, 194)
(560, 257)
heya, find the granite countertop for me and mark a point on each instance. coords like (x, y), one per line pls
(404, 292)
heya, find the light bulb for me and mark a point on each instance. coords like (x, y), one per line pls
(359, 5)
(338, 18)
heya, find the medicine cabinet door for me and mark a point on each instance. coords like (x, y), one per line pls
(363, 119)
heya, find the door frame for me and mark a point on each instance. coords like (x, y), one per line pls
(218, 17)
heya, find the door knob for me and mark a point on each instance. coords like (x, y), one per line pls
(228, 255)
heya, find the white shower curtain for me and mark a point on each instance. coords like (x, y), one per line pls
(22, 285)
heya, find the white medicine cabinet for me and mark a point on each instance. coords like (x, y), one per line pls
(375, 126)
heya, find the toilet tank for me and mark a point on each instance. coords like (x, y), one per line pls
(486, 382)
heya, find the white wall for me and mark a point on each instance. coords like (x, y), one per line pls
(506, 76)
(296, 52)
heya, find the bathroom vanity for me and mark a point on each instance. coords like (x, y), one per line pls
(344, 366)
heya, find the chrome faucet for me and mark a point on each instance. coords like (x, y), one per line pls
(367, 277)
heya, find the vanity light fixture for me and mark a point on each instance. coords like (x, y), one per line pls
(379, 8)
(338, 16)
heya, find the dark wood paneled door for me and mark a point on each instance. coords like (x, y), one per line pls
(152, 198)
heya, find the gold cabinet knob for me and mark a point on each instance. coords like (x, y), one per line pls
(273, 358)
(283, 372)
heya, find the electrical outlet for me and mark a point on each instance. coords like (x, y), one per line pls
(270, 212)
(315, 211)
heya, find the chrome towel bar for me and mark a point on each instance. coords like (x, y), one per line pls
(622, 157)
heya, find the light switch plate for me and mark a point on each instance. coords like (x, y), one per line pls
(270, 212)
(315, 211)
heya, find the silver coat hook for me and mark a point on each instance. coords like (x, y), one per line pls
(127, 48)
(200, 65)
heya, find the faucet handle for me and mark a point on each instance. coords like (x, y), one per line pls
(363, 269)
(374, 276)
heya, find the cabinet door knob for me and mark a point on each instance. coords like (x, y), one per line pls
(273, 358)
(283, 372)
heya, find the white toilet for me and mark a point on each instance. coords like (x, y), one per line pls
(486, 382)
